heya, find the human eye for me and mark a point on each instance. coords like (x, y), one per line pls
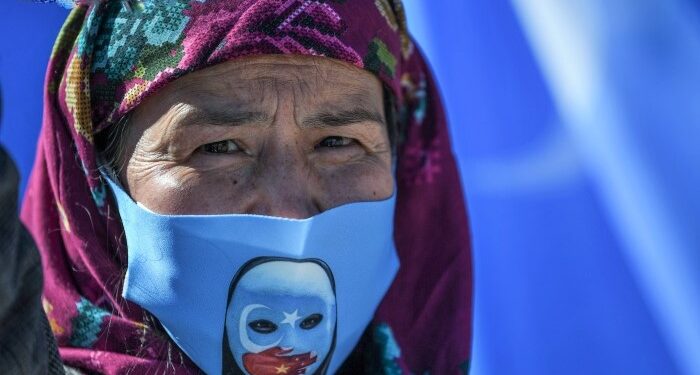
(335, 142)
(221, 147)
(311, 321)
(263, 326)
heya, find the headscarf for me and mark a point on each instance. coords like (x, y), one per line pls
(111, 55)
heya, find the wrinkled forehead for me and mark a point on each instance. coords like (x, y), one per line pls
(256, 80)
(280, 279)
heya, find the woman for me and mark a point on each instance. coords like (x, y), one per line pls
(167, 123)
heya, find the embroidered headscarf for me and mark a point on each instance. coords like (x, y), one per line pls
(110, 55)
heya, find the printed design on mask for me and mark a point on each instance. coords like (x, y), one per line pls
(280, 318)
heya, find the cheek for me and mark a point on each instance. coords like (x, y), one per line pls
(184, 190)
(365, 180)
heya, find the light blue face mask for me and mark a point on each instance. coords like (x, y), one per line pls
(250, 294)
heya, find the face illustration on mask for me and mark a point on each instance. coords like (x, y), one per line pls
(280, 318)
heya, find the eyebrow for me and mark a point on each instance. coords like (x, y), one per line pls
(342, 118)
(225, 117)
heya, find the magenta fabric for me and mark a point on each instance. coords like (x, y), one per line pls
(109, 57)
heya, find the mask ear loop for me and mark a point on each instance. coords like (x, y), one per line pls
(111, 180)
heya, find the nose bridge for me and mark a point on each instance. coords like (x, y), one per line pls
(288, 192)
(285, 179)
(289, 339)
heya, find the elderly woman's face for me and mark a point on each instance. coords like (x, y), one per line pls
(273, 135)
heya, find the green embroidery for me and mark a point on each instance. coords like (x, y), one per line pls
(379, 58)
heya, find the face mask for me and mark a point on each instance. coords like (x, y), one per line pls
(258, 295)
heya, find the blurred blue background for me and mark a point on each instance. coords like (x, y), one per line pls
(576, 126)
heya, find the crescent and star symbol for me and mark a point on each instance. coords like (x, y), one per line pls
(291, 319)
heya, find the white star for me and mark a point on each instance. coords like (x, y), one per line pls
(291, 319)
